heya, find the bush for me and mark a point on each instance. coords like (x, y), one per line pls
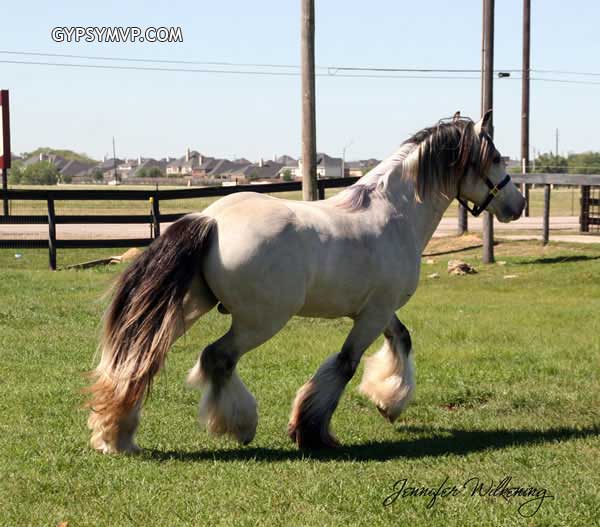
(41, 173)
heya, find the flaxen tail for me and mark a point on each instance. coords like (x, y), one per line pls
(140, 325)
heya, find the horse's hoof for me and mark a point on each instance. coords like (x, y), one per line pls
(384, 413)
(312, 438)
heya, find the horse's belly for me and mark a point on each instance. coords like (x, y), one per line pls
(333, 302)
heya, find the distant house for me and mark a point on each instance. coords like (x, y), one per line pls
(263, 171)
(107, 169)
(224, 169)
(191, 162)
(359, 168)
(142, 168)
(75, 168)
(286, 160)
(327, 167)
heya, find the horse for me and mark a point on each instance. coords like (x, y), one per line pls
(264, 260)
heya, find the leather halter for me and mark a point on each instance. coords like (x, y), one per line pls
(494, 189)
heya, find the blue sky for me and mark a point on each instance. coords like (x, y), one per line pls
(158, 113)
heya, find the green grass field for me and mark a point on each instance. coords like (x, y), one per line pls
(507, 385)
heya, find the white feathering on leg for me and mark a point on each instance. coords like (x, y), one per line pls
(389, 380)
(229, 410)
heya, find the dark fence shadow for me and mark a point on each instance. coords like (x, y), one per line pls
(454, 251)
(560, 259)
(439, 442)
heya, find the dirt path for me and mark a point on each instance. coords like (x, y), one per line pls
(447, 227)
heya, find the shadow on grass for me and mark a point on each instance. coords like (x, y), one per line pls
(458, 250)
(437, 442)
(560, 259)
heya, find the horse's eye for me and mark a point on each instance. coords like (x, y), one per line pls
(496, 159)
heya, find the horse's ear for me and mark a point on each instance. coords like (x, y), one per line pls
(484, 124)
(456, 116)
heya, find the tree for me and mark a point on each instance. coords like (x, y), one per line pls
(584, 163)
(149, 172)
(97, 175)
(286, 175)
(154, 172)
(14, 175)
(551, 164)
(67, 154)
(41, 173)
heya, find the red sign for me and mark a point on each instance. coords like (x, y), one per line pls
(5, 156)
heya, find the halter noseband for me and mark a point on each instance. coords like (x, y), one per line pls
(494, 189)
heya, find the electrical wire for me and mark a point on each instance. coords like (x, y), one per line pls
(323, 71)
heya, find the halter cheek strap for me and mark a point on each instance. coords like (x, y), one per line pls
(494, 189)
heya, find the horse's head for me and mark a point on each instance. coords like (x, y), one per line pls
(486, 183)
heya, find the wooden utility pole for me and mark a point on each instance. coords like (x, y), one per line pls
(525, 98)
(487, 103)
(5, 149)
(309, 125)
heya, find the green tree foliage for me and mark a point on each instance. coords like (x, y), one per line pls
(151, 172)
(97, 175)
(286, 175)
(551, 164)
(584, 163)
(14, 175)
(41, 173)
(67, 154)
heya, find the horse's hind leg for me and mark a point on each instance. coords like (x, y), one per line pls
(316, 401)
(226, 406)
(388, 379)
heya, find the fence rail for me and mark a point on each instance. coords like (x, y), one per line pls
(154, 218)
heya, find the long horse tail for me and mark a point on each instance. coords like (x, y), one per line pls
(143, 319)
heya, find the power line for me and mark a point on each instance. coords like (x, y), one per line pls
(330, 71)
(224, 71)
(158, 61)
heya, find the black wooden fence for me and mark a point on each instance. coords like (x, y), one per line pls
(155, 217)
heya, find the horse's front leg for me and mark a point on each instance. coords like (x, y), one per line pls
(389, 378)
(316, 401)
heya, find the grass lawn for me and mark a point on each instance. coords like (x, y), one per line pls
(507, 385)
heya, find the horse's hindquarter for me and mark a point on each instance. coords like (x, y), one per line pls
(255, 265)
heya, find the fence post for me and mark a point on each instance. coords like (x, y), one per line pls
(155, 215)
(321, 190)
(51, 235)
(584, 215)
(546, 235)
(463, 221)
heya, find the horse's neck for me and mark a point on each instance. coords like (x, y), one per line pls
(425, 216)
